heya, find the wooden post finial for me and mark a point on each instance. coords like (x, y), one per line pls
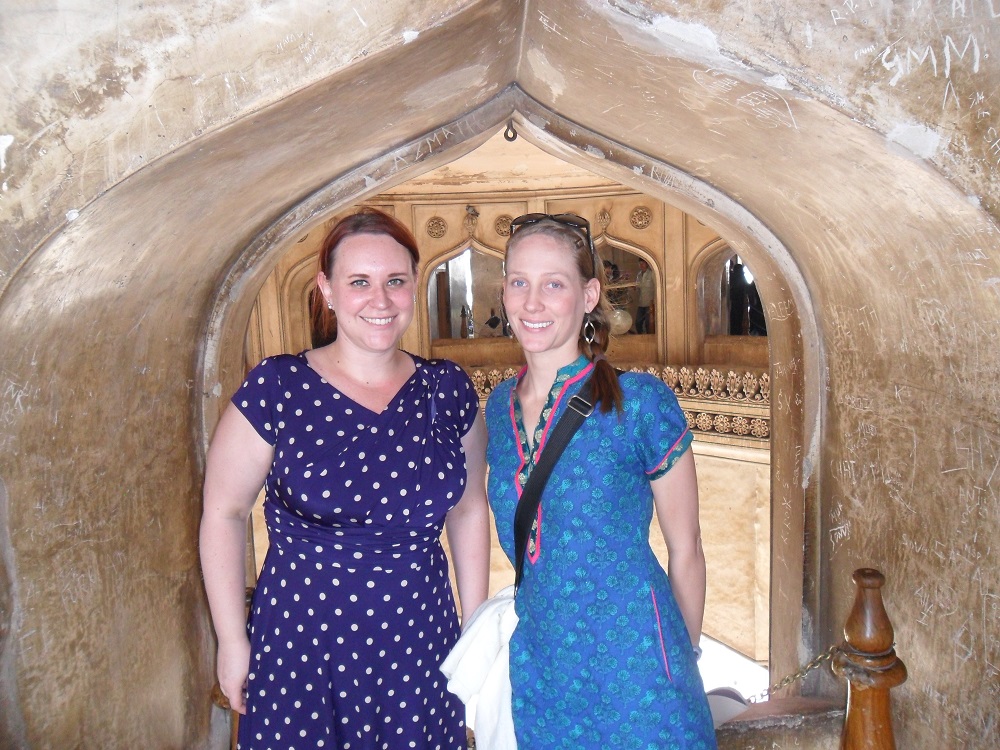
(868, 661)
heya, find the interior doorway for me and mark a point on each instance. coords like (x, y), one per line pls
(785, 571)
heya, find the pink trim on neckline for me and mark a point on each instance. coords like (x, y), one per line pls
(541, 445)
(555, 406)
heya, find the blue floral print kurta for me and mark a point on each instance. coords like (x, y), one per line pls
(601, 657)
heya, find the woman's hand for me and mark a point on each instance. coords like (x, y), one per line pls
(238, 460)
(233, 666)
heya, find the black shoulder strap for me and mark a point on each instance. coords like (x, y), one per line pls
(579, 408)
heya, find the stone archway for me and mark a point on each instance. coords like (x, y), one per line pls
(788, 384)
(109, 290)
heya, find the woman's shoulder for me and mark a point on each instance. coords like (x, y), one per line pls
(500, 395)
(267, 383)
(643, 386)
(447, 379)
(291, 361)
(639, 379)
(277, 364)
(436, 364)
(442, 370)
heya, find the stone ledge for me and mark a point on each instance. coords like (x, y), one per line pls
(802, 723)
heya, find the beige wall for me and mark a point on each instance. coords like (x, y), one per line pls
(158, 160)
(734, 486)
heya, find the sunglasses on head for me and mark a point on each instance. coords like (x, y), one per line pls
(569, 220)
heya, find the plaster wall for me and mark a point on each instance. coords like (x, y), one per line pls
(129, 262)
(734, 490)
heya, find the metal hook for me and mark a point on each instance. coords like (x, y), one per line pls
(510, 134)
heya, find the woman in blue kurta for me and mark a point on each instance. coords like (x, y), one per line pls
(603, 653)
(365, 453)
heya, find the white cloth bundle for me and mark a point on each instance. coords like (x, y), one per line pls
(478, 671)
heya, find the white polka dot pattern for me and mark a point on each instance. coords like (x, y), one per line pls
(353, 611)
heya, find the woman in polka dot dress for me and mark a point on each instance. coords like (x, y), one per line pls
(366, 453)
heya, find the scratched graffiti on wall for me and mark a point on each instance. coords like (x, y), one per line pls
(765, 105)
(945, 46)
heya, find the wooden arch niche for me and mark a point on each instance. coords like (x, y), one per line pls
(622, 294)
(708, 296)
(477, 339)
(279, 321)
(795, 367)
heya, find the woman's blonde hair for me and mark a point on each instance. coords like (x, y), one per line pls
(593, 342)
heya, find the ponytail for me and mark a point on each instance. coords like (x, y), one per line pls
(607, 390)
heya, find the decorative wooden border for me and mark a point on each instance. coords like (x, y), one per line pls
(721, 407)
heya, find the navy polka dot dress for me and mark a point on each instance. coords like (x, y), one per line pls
(353, 611)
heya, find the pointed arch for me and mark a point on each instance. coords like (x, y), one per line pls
(707, 266)
(605, 239)
(422, 316)
(795, 382)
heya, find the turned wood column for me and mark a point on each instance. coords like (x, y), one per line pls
(868, 661)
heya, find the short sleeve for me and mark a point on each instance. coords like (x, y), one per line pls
(661, 431)
(456, 397)
(259, 399)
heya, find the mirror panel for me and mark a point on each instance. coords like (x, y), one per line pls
(463, 297)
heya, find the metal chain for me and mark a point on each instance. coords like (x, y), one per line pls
(796, 676)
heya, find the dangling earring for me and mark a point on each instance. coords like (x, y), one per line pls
(589, 329)
(505, 327)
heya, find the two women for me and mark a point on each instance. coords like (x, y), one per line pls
(604, 654)
(365, 452)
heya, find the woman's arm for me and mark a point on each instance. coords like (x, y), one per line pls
(676, 497)
(468, 525)
(238, 461)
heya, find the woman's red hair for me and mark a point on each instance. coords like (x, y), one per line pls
(365, 221)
